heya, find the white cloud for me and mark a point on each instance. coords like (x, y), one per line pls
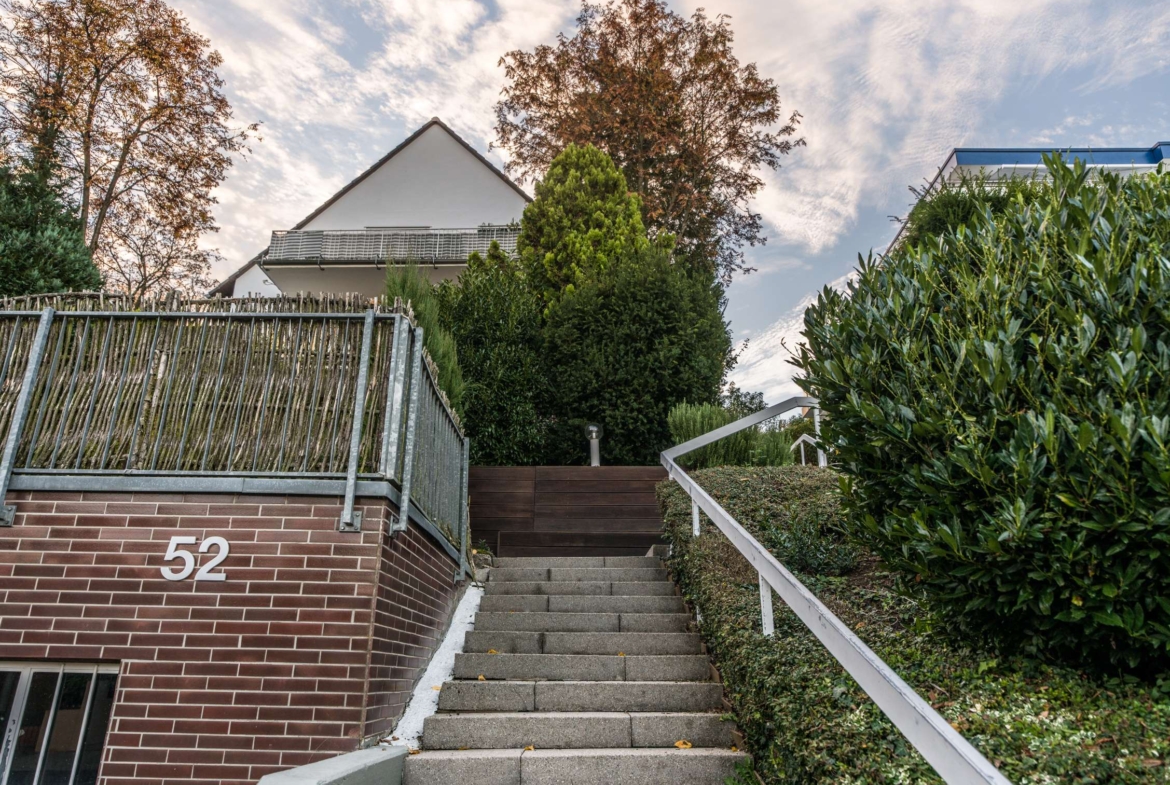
(764, 366)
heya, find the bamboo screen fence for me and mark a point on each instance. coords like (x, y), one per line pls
(258, 387)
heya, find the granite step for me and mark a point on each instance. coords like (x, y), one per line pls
(620, 766)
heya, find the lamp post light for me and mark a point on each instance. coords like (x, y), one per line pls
(593, 433)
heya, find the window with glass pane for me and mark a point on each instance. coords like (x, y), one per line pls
(54, 718)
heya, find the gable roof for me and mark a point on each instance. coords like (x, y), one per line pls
(229, 282)
(434, 121)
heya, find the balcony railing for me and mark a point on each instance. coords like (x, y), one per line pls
(377, 245)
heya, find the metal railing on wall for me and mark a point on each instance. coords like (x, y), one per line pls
(231, 401)
(944, 748)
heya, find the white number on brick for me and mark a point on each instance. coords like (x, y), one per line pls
(188, 559)
(205, 572)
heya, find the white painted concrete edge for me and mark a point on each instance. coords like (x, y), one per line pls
(425, 700)
(374, 766)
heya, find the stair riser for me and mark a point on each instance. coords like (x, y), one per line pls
(593, 575)
(573, 767)
(626, 604)
(573, 730)
(580, 562)
(580, 588)
(582, 622)
(582, 667)
(521, 696)
(620, 643)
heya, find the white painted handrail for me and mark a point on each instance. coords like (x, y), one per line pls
(944, 748)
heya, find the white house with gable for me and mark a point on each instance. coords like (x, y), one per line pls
(432, 200)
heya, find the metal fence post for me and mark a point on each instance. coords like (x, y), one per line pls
(395, 392)
(351, 520)
(694, 518)
(464, 517)
(20, 413)
(765, 607)
(416, 382)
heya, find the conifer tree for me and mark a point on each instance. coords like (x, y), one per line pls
(582, 217)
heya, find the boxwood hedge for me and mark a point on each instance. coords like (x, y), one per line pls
(806, 721)
(999, 399)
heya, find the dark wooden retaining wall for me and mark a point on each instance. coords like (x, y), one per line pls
(565, 510)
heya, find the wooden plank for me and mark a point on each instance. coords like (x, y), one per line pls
(502, 524)
(600, 473)
(502, 505)
(597, 486)
(550, 524)
(501, 486)
(594, 550)
(598, 510)
(502, 473)
(594, 498)
(577, 539)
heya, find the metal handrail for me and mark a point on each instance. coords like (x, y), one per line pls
(944, 748)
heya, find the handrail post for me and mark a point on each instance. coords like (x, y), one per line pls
(20, 413)
(351, 520)
(464, 517)
(416, 382)
(694, 518)
(765, 607)
(395, 393)
(821, 462)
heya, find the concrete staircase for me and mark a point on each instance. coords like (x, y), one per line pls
(580, 671)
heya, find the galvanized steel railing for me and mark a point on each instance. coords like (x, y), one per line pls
(944, 748)
(424, 245)
(215, 401)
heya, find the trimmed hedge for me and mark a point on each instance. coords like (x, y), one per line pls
(999, 398)
(806, 721)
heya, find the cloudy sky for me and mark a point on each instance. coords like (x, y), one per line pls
(886, 87)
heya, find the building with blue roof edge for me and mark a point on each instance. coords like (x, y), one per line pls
(1003, 163)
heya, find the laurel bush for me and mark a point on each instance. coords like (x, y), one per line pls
(998, 401)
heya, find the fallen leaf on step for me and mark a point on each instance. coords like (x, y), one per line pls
(621, 654)
(462, 749)
(393, 738)
(481, 677)
(414, 752)
(436, 688)
(734, 748)
(683, 744)
(492, 651)
(529, 748)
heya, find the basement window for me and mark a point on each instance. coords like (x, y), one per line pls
(54, 718)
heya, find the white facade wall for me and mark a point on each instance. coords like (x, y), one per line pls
(254, 281)
(433, 182)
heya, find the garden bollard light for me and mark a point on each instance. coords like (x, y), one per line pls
(593, 433)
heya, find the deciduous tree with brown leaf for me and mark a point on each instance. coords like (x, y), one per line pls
(689, 126)
(123, 102)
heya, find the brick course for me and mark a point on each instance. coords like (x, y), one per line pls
(311, 645)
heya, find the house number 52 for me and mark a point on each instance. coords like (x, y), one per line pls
(188, 559)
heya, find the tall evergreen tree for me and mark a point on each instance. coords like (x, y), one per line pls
(582, 217)
(42, 243)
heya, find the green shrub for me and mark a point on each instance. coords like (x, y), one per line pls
(408, 282)
(495, 319)
(962, 202)
(999, 399)
(42, 245)
(806, 721)
(625, 346)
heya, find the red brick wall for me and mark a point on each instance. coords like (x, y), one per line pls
(225, 681)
